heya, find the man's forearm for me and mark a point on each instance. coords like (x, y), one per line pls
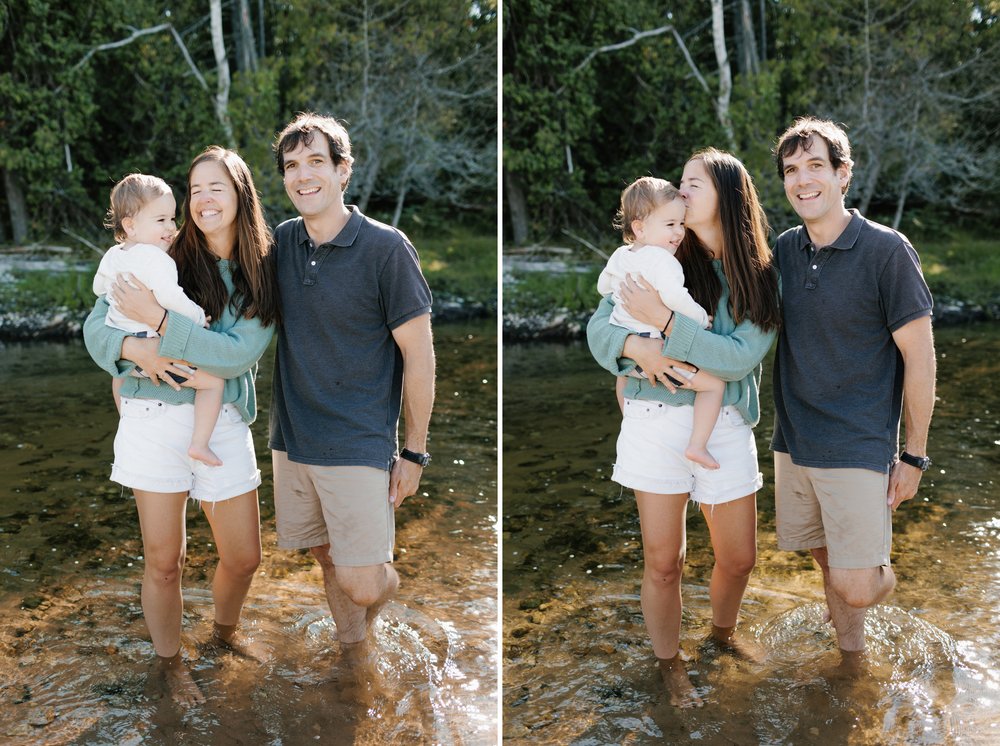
(919, 371)
(418, 396)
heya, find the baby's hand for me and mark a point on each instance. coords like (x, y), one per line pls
(208, 322)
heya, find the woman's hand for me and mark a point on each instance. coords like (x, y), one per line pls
(644, 303)
(145, 354)
(648, 355)
(136, 301)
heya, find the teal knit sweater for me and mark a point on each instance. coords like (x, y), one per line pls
(230, 349)
(730, 351)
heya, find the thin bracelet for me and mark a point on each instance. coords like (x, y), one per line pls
(669, 319)
(161, 321)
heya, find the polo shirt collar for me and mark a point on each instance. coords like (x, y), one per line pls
(845, 240)
(347, 234)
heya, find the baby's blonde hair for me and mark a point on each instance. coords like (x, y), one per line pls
(639, 199)
(129, 196)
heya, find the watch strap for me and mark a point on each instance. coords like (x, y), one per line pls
(418, 458)
(918, 462)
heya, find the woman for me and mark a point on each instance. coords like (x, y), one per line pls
(727, 269)
(221, 255)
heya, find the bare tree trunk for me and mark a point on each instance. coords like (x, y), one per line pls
(246, 48)
(222, 67)
(16, 205)
(749, 60)
(400, 201)
(725, 73)
(872, 171)
(372, 165)
(904, 189)
(517, 209)
(763, 33)
(260, 27)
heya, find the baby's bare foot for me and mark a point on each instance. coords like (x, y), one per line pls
(204, 454)
(179, 683)
(701, 456)
(679, 687)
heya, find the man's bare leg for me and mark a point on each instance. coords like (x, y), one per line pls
(355, 594)
(849, 594)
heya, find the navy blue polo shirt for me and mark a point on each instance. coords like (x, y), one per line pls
(838, 375)
(338, 372)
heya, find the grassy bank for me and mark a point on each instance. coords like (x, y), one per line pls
(960, 267)
(460, 267)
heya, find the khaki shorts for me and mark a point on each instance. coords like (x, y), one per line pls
(843, 510)
(346, 507)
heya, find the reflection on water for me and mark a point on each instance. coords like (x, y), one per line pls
(74, 651)
(578, 667)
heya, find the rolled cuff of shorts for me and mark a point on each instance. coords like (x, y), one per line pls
(229, 491)
(367, 560)
(653, 485)
(316, 541)
(148, 483)
(730, 493)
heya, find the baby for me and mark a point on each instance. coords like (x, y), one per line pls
(651, 219)
(142, 217)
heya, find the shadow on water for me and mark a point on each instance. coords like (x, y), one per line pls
(578, 667)
(74, 651)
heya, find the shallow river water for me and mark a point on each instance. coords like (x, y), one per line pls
(74, 651)
(578, 667)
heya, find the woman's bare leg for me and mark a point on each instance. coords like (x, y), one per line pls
(161, 520)
(236, 528)
(661, 518)
(733, 529)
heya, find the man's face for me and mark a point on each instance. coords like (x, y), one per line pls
(312, 181)
(812, 185)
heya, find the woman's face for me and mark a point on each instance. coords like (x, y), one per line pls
(213, 200)
(699, 194)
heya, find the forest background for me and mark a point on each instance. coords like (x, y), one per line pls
(596, 94)
(92, 91)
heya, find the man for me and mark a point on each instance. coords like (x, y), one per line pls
(355, 339)
(855, 350)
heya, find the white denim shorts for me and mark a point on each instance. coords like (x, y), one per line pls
(151, 452)
(651, 454)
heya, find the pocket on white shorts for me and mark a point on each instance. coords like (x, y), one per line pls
(142, 409)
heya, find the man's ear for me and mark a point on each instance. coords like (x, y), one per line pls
(843, 177)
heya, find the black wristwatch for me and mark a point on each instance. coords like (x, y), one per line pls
(919, 462)
(418, 458)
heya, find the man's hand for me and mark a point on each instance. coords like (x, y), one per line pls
(404, 479)
(903, 483)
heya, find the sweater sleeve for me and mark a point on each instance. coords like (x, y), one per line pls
(104, 343)
(607, 340)
(226, 354)
(731, 356)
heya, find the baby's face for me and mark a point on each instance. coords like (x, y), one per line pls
(154, 223)
(664, 226)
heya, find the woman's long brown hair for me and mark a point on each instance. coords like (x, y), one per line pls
(746, 257)
(255, 292)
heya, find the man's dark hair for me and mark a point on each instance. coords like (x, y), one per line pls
(302, 130)
(801, 134)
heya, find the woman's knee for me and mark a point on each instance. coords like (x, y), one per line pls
(665, 569)
(737, 564)
(242, 563)
(164, 568)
